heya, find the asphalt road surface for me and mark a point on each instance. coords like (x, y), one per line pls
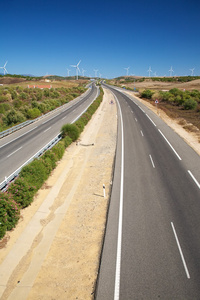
(152, 242)
(18, 147)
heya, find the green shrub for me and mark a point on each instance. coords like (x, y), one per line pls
(33, 113)
(51, 156)
(9, 213)
(70, 130)
(35, 174)
(59, 150)
(13, 117)
(190, 104)
(22, 191)
(67, 141)
(147, 94)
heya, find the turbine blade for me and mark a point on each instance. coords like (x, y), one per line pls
(78, 63)
(5, 64)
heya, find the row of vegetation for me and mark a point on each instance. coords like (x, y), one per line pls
(19, 104)
(188, 100)
(131, 79)
(21, 192)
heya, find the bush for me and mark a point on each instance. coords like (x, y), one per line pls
(9, 213)
(35, 174)
(22, 192)
(147, 94)
(190, 104)
(59, 150)
(33, 113)
(13, 117)
(70, 130)
(67, 141)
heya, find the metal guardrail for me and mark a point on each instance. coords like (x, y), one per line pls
(54, 141)
(10, 178)
(15, 128)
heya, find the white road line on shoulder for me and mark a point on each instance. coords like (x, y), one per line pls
(135, 119)
(197, 183)
(141, 108)
(169, 144)
(181, 252)
(141, 133)
(14, 152)
(151, 120)
(152, 161)
(47, 129)
(119, 239)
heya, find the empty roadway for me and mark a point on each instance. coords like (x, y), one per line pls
(152, 241)
(18, 147)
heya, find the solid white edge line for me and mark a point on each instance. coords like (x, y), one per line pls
(197, 183)
(180, 250)
(152, 161)
(170, 144)
(151, 120)
(119, 239)
(141, 133)
(14, 152)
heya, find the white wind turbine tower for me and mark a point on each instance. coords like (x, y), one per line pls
(127, 70)
(68, 72)
(149, 70)
(77, 69)
(96, 73)
(192, 71)
(4, 68)
(171, 71)
(83, 72)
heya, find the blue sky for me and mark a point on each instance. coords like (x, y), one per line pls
(43, 36)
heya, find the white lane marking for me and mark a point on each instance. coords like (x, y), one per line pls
(141, 133)
(141, 108)
(181, 252)
(135, 119)
(197, 183)
(47, 129)
(119, 239)
(63, 118)
(170, 144)
(14, 152)
(18, 137)
(132, 111)
(151, 120)
(152, 161)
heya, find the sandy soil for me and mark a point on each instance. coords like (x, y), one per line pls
(53, 253)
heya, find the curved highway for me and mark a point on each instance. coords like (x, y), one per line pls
(152, 241)
(21, 145)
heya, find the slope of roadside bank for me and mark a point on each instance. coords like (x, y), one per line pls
(54, 251)
(191, 138)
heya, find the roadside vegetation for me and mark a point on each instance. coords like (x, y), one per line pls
(18, 104)
(21, 192)
(177, 103)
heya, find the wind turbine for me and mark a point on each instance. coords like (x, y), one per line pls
(171, 71)
(192, 71)
(96, 73)
(149, 70)
(127, 70)
(68, 72)
(83, 72)
(155, 74)
(77, 69)
(4, 67)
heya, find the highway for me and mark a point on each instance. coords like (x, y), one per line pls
(21, 145)
(152, 242)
